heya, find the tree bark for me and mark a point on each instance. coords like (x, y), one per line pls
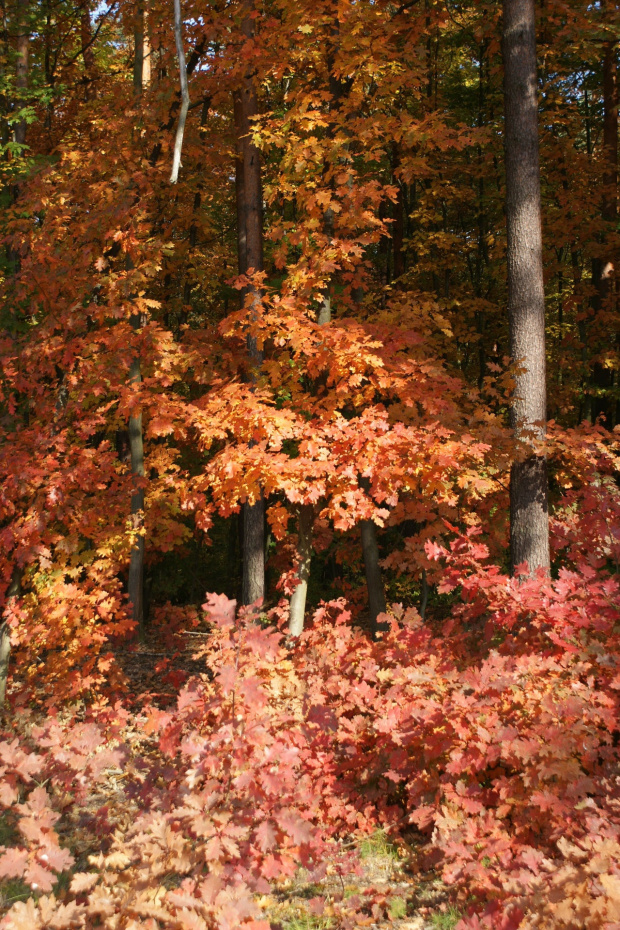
(86, 38)
(178, 139)
(529, 520)
(374, 581)
(142, 50)
(21, 71)
(138, 48)
(250, 251)
(5, 655)
(399, 217)
(304, 554)
(135, 586)
(5, 636)
(610, 132)
(603, 271)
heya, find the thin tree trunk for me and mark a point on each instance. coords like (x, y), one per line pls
(424, 598)
(138, 46)
(323, 318)
(242, 248)
(146, 52)
(610, 132)
(529, 519)
(178, 139)
(368, 529)
(5, 655)
(135, 585)
(142, 49)
(374, 581)
(86, 37)
(602, 267)
(250, 248)
(21, 71)
(4, 103)
(5, 636)
(399, 217)
(304, 554)
(49, 67)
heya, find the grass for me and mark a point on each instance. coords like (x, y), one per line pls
(8, 833)
(308, 922)
(13, 890)
(446, 920)
(398, 908)
(378, 846)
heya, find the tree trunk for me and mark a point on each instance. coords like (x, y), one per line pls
(5, 655)
(5, 636)
(86, 37)
(242, 248)
(21, 72)
(610, 132)
(178, 139)
(602, 267)
(146, 51)
(250, 248)
(399, 217)
(304, 554)
(374, 581)
(529, 520)
(4, 102)
(135, 585)
(138, 48)
(142, 50)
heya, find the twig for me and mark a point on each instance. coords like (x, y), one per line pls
(178, 141)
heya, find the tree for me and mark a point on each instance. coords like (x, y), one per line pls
(529, 516)
(21, 78)
(603, 264)
(250, 251)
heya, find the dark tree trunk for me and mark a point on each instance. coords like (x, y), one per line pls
(86, 37)
(374, 580)
(529, 520)
(5, 655)
(399, 217)
(250, 246)
(603, 271)
(138, 54)
(610, 132)
(135, 587)
(242, 249)
(21, 73)
(5, 636)
(135, 584)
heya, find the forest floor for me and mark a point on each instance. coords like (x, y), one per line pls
(408, 901)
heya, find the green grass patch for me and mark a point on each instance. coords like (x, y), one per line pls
(398, 908)
(378, 846)
(13, 890)
(446, 920)
(308, 922)
(9, 835)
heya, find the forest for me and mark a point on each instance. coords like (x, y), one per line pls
(309, 465)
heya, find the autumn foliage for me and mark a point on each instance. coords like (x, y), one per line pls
(149, 393)
(492, 736)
